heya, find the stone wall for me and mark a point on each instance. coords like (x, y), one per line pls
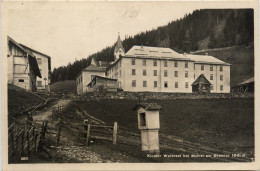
(95, 96)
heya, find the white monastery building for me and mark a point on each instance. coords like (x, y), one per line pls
(157, 69)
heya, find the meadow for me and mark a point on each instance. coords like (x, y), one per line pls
(220, 123)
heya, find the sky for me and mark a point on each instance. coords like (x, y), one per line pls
(74, 31)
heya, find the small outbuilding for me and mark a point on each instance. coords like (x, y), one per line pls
(201, 85)
(99, 83)
(247, 86)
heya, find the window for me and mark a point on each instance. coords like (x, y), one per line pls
(39, 60)
(21, 80)
(165, 64)
(144, 62)
(40, 71)
(211, 67)
(155, 83)
(165, 73)
(175, 64)
(154, 62)
(176, 84)
(202, 67)
(221, 68)
(165, 84)
(120, 73)
(221, 87)
(221, 77)
(142, 119)
(186, 74)
(176, 73)
(186, 85)
(133, 72)
(186, 64)
(194, 76)
(194, 66)
(133, 61)
(211, 76)
(144, 72)
(133, 83)
(39, 83)
(154, 72)
(144, 83)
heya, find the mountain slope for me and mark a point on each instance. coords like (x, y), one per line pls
(207, 28)
(241, 59)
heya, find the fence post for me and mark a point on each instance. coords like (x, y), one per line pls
(23, 143)
(28, 140)
(35, 139)
(59, 130)
(88, 134)
(115, 133)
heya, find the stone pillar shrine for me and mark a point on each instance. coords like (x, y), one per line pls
(149, 125)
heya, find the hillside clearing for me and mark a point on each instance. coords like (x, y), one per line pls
(241, 59)
(62, 86)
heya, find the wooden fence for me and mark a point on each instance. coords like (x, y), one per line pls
(59, 110)
(86, 131)
(25, 139)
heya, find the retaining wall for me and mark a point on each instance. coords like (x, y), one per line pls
(95, 96)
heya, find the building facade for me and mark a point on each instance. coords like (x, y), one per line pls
(156, 69)
(22, 66)
(164, 70)
(86, 76)
(44, 63)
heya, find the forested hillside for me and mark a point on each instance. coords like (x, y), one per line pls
(202, 29)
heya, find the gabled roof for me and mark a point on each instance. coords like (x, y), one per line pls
(158, 52)
(167, 53)
(31, 58)
(148, 106)
(206, 59)
(250, 80)
(95, 68)
(119, 45)
(32, 50)
(201, 80)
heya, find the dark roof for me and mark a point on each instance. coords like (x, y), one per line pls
(32, 50)
(148, 106)
(104, 78)
(119, 45)
(31, 58)
(95, 68)
(201, 80)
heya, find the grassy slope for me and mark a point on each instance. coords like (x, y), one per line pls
(19, 100)
(67, 85)
(241, 59)
(224, 123)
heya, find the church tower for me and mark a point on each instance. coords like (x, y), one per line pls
(119, 49)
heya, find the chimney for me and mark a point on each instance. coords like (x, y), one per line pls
(142, 45)
(206, 54)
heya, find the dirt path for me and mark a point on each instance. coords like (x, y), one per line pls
(44, 115)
